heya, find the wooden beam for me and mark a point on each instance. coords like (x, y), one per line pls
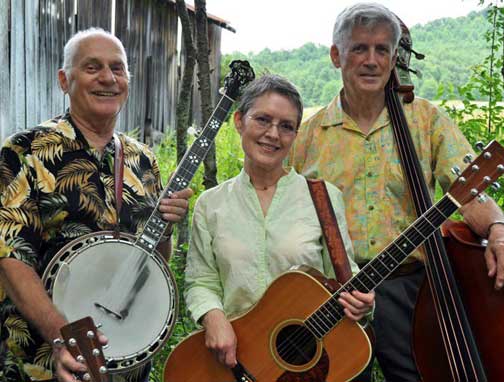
(4, 69)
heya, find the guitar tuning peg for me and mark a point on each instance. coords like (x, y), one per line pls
(500, 168)
(58, 342)
(479, 145)
(456, 170)
(468, 158)
(103, 370)
(496, 186)
(72, 342)
(96, 352)
(86, 377)
(475, 168)
(98, 326)
(90, 334)
(80, 359)
(482, 198)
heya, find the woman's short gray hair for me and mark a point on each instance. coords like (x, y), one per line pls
(368, 15)
(72, 47)
(270, 83)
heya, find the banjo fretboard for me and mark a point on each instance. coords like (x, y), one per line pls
(155, 225)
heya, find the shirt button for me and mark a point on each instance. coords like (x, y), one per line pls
(372, 241)
(370, 208)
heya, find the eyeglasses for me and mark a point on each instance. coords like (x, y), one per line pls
(265, 122)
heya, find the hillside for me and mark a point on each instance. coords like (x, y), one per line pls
(451, 47)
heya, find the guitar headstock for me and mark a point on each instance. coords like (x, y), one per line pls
(81, 340)
(480, 174)
(241, 74)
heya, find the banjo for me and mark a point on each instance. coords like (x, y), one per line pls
(122, 281)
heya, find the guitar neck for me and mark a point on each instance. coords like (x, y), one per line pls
(184, 173)
(377, 270)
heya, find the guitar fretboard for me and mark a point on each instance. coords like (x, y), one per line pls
(331, 312)
(155, 225)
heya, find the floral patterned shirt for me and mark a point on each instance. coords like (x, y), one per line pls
(367, 169)
(54, 188)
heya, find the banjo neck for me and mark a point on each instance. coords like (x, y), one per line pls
(155, 226)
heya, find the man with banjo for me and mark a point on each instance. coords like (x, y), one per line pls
(350, 143)
(57, 184)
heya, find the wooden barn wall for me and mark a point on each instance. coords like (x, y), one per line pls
(4, 68)
(148, 30)
(32, 36)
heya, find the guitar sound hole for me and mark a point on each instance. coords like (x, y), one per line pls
(296, 345)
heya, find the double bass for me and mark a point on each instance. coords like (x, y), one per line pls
(458, 304)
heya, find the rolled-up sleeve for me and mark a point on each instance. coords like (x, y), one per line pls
(203, 287)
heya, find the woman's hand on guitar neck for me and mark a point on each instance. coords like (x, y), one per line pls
(220, 337)
(357, 304)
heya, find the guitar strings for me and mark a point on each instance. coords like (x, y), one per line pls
(304, 335)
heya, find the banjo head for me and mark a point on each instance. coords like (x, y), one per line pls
(95, 271)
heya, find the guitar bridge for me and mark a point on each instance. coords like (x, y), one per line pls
(241, 374)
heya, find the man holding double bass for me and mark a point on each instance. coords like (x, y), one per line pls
(57, 184)
(350, 143)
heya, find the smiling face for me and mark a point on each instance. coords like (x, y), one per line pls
(366, 60)
(266, 148)
(97, 83)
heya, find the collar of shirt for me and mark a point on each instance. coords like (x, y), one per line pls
(66, 127)
(335, 116)
(244, 180)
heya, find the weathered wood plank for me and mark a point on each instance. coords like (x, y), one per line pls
(17, 69)
(94, 13)
(31, 21)
(5, 119)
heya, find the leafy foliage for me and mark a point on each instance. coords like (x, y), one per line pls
(451, 46)
(482, 121)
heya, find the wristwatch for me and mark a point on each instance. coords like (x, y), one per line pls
(492, 224)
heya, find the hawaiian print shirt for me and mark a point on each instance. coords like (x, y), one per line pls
(366, 167)
(54, 188)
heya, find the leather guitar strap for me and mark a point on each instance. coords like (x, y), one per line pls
(330, 229)
(118, 180)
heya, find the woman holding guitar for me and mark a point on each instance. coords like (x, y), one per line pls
(254, 227)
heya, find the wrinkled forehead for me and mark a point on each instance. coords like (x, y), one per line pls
(363, 33)
(100, 48)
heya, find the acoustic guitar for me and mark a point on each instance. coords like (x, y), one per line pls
(298, 330)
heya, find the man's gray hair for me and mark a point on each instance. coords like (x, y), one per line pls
(72, 47)
(270, 83)
(368, 15)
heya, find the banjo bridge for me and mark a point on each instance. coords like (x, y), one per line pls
(108, 311)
